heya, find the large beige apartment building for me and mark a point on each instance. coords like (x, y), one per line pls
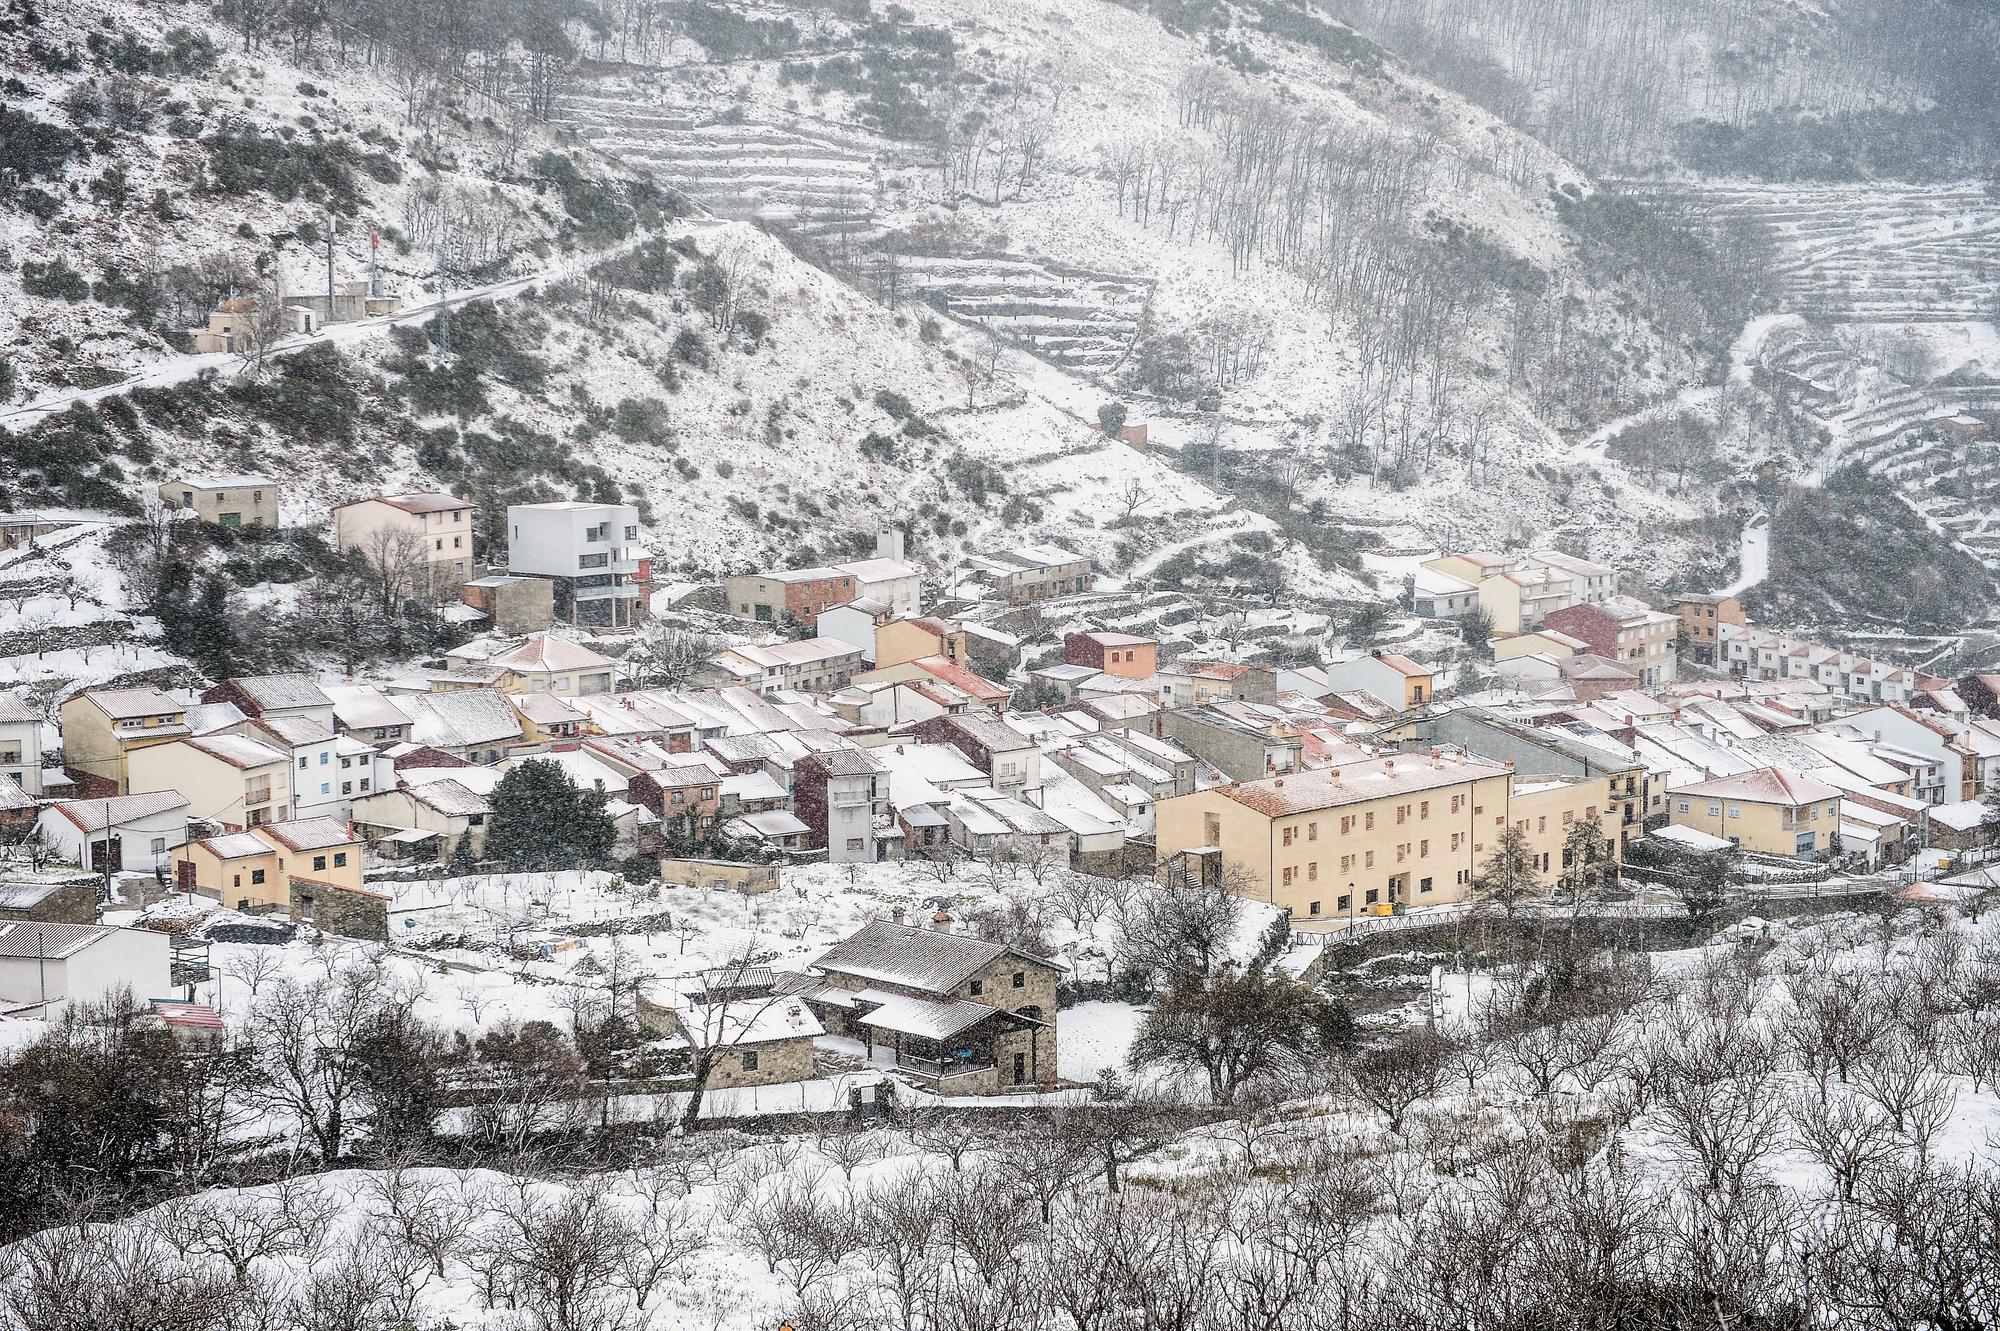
(428, 525)
(1409, 829)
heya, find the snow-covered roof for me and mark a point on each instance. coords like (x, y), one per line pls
(34, 938)
(462, 719)
(95, 815)
(362, 707)
(1766, 785)
(130, 704)
(923, 959)
(450, 798)
(282, 692)
(311, 833)
(235, 846)
(294, 731)
(922, 1017)
(421, 501)
(767, 824)
(13, 710)
(546, 652)
(237, 750)
(1689, 838)
(1962, 816)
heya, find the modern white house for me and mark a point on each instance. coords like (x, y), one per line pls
(591, 552)
(20, 744)
(134, 830)
(46, 967)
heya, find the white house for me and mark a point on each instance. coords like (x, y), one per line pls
(46, 967)
(20, 744)
(137, 829)
(591, 552)
(855, 623)
(315, 751)
(895, 582)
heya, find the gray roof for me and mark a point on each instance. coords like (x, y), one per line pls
(21, 896)
(462, 719)
(93, 815)
(921, 958)
(12, 709)
(281, 692)
(847, 762)
(30, 938)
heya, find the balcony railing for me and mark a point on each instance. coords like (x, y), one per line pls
(933, 1067)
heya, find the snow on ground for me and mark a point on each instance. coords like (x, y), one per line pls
(1094, 1036)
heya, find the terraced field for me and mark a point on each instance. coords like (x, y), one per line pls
(1855, 263)
(1871, 253)
(1073, 317)
(826, 182)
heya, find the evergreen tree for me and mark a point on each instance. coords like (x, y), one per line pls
(211, 635)
(1509, 876)
(541, 820)
(461, 862)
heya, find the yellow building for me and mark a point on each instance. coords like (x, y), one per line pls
(1547, 808)
(102, 727)
(1407, 829)
(233, 780)
(1402, 829)
(259, 868)
(1770, 810)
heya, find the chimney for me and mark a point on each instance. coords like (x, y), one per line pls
(1510, 764)
(896, 914)
(1437, 751)
(1388, 764)
(1279, 783)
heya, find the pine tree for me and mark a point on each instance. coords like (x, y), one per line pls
(542, 821)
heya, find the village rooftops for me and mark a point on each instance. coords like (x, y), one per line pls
(237, 750)
(1357, 783)
(1570, 564)
(847, 762)
(878, 570)
(293, 731)
(962, 679)
(450, 798)
(277, 693)
(310, 833)
(132, 704)
(463, 719)
(235, 846)
(923, 959)
(418, 501)
(1766, 785)
(359, 707)
(546, 652)
(96, 815)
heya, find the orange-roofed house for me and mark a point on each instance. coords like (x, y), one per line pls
(1126, 655)
(1396, 680)
(1771, 810)
(1359, 838)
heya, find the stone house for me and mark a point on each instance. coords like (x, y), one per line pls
(227, 501)
(757, 1036)
(795, 594)
(959, 1014)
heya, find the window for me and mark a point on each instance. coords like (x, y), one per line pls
(856, 843)
(1312, 831)
(1288, 836)
(1374, 895)
(1343, 904)
(1457, 802)
(1346, 823)
(326, 787)
(302, 764)
(458, 542)
(159, 845)
(1312, 908)
(1368, 819)
(1368, 860)
(340, 859)
(256, 875)
(1457, 840)
(1423, 885)
(1020, 979)
(1715, 810)
(1402, 852)
(347, 787)
(319, 863)
(978, 988)
(1402, 812)
(440, 542)
(324, 757)
(1683, 806)
(1542, 823)
(1424, 809)
(599, 560)
(1424, 846)
(1288, 875)
(1312, 872)
(749, 1060)
(631, 533)
(1346, 863)
(1569, 816)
